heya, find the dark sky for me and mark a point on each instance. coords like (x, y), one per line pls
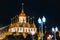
(38, 8)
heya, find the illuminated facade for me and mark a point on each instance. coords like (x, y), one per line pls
(21, 26)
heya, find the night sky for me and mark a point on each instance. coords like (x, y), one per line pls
(37, 8)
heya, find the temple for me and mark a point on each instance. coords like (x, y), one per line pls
(20, 25)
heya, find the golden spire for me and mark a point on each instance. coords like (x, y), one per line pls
(28, 19)
(22, 11)
(33, 22)
(22, 8)
(28, 22)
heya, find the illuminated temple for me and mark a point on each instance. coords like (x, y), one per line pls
(21, 26)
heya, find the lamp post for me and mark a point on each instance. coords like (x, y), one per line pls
(41, 22)
(54, 30)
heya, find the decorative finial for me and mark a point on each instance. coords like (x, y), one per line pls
(11, 20)
(17, 15)
(22, 7)
(33, 19)
(28, 18)
(22, 4)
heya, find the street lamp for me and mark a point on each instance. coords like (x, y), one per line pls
(54, 30)
(41, 22)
